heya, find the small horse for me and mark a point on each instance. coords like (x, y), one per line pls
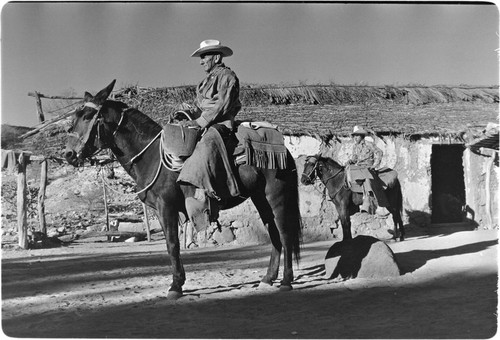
(333, 176)
(134, 139)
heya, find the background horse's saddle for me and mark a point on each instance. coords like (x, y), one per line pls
(386, 175)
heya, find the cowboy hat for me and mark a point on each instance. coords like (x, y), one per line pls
(359, 130)
(213, 46)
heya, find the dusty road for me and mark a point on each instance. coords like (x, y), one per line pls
(96, 289)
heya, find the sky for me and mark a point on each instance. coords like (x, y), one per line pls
(57, 48)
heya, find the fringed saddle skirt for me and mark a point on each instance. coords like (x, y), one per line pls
(260, 144)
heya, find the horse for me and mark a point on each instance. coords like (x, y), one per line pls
(133, 137)
(334, 177)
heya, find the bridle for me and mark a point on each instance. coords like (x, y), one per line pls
(98, 122)
(313, 174)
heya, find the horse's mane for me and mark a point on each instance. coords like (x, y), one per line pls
(330, 162)
(136, 116)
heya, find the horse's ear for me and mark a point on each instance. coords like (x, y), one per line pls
(102, 95)
(87, 97)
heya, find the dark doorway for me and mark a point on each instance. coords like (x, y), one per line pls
(448, 188)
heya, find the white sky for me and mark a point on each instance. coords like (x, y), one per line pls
(56, 47)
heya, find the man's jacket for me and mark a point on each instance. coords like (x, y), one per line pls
(218, 97)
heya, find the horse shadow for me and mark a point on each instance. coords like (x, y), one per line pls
(415, 259)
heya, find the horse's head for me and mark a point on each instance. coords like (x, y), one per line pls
(310, 170)
(320, 167)
(84, 135)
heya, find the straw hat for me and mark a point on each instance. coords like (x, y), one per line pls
(359, 130)
(213, 46)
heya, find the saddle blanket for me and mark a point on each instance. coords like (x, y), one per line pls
(261, 144)
(386, 175)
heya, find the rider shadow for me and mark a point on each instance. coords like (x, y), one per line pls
(415, 259)
(420, 225)
(220, 288)
(309, 278)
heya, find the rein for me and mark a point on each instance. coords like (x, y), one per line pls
(324, 180)
(99, 120)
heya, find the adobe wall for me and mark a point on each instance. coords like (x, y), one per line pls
(411, 161)
(481, 175)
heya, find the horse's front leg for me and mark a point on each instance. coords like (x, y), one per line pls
(169, 219)
(343, 210)
(398, 224)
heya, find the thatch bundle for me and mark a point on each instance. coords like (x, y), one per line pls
(326, 111)
(332, 109)
(317, 94)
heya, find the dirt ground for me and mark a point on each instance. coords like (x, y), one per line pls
(448, 289)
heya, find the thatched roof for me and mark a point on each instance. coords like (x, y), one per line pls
(456, 114)
(331, 110)
(489, 138)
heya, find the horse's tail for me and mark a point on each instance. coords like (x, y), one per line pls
(293, 218)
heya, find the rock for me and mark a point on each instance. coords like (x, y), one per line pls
(52, 232)
(96, 228)
(361, 257)
(372, 225)
(132, 239)
(132, 227)
(224, 236)
(237, 224)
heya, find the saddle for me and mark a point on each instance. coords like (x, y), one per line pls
(208, 158)
(258, 144)
(356, 176)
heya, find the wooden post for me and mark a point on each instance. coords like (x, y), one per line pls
(22, 224)
(41, 197)
(146, 220)
(39, 110)
(105, 203)
(184, 234)
(489, 167)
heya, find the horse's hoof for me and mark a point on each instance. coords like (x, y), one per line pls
(285, 288)
(173, 295)
(265, 286)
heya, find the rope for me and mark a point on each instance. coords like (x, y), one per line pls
(169, 161)
(147, 146)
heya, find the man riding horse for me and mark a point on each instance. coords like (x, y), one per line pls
(363, 163)
(217, 103)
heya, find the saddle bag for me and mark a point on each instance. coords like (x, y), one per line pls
(180, 141)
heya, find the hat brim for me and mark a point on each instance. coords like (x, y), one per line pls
(360, 133)
(223, 50)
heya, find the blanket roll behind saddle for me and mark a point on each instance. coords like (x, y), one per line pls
(262, 144)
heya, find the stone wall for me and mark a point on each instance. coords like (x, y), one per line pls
(481, 187)
(410, 159)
